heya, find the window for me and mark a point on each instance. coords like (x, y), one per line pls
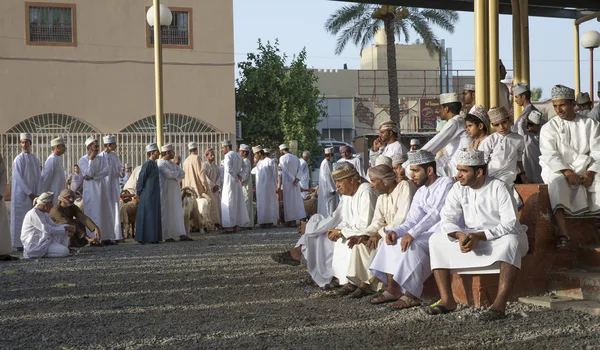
(50, 24)
(173, 123)
(178, 35)
(52, 123)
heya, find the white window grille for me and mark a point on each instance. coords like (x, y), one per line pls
(53, 123)
(54, 23)
(177, 33)
(172, 122)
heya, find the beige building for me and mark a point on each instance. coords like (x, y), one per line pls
(80, 67)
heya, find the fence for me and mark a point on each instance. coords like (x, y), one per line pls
(131, 146)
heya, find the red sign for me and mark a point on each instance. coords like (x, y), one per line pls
(429, 112)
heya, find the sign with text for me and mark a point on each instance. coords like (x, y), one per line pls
(429, 112)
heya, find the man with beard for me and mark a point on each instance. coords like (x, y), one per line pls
(112, 231)
(53, 176)
(387, 144)
(65, 213)
(148, 223)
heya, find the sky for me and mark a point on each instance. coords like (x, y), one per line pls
(300, 23)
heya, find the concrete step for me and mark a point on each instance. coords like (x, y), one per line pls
(563, 303)
(576, 284)
(589, 255)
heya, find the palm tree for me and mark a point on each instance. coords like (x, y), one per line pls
(359, 23)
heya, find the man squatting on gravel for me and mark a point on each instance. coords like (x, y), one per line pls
(341, 253)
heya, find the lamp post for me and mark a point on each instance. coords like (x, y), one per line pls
(591, 40)
(165, 17)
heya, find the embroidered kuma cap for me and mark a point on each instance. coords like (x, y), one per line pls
(420, 157)
(498, 114)
(450, 97)
(535, 117)
(582, 98)
(471, 157)
(470, 87)
(561, 92)
(399, 159)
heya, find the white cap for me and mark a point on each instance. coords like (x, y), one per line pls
(267, 150)
(283, 146)
(244, 147)
(415, 142)
(166, 148)
(451, 97)
(329, 150)
(535, 117)
(151, 147)
(90, 140)
(470, 87)
(520, 88)
(192, 145)
(25, 136)
(57, 141)
(257, 148)
(583, 98)
(127, 166)
(226, 143)
(109, 139)
(385, 160)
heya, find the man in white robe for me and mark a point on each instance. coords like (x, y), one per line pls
(213, 175)
(26, 185)
(95, 194)
(327, 193)
(415, 144)
(387, 144)
(584, 103)
(247, 184)
(171, 207)
(324, 243)
(293, 205)
(402, 263)
(131, 184)
(570, 147)
(522, 96)
(233, 206)
(390, 211)
(305, 174)
(529, 127)
(267, 205)
(53, 176)
(595, 112)
(354, 159)
(41, 237)
(5, 245)
(451, 138)
(479, 233)
(112, 232)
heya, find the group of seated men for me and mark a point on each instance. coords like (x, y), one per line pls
(399, 238)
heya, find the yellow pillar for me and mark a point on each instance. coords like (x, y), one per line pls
(158, 74)
(524, 12)
(516, 25)
(481, 54)
(494, 56)
(577, 58)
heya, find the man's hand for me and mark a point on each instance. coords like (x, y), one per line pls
(468, 242)
(525, 179)
(87, 177)
(373, 242)
(376, 145)
(32, 197)
(572, 178)
(97, 234)
(296, 181)
(405, 242)
(215, 188)
(391, 237)
(334, 235)
(354, 240)
(239, 178)
(588, 178)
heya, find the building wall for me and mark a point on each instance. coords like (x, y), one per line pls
(410, 57)
(107, 80)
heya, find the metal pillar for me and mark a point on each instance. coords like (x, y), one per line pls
(494, 55)
(577, 61)
(517, 71)
(158, 73)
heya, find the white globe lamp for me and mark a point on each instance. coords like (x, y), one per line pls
(166, 17)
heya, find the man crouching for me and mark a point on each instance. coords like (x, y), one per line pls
(65, 213)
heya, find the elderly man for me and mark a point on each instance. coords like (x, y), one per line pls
(451, 138)
(75, 179)
(233, 206)
(65, 213)
(390, 211)
(171, 214)
(399, 170)
(327, 193)
(415, 144)
(304, 174)
(479, 233)
(355, 160)
(26, 185)
(584, 103)
(95, 197)
(267, 206)
(293, 206)
(468, 95)
(247, 184)
(148, 223)
(402, 263)
(570, 147)
(213, 175)
(41, 237)
(53, 176)
(112, 232)
(5, 246)
(324, 244)
(125, 174)
(387, 143)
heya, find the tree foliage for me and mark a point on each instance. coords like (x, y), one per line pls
(278, 103)
(536, 94)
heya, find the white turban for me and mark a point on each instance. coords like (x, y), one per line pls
(44, 198)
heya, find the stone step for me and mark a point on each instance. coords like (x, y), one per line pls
(576, 284)
(563, 303)
(589, 255)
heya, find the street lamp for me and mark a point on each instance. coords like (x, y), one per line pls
(165, 17)
(591, 40)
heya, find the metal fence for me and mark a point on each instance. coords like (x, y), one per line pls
(131, 147)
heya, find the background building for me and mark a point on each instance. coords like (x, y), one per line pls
(84, 67)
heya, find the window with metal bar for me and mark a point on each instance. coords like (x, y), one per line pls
(51, 24)
(176, 35)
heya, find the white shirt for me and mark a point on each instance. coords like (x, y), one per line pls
(502, 154)
(53, 176)
(38, 232)
(452, 138)
(391, 209)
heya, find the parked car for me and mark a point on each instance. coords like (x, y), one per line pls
(318, 158)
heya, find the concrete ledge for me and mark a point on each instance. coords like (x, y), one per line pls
(563, 303)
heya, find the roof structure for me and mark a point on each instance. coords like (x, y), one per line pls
(538, 8)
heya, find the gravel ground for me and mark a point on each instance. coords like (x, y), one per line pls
(224, 291)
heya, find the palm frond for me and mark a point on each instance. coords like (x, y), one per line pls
(423, 29)
(444, 19)
(355, 24)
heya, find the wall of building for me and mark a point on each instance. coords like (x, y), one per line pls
(410, 57)
(108, 78)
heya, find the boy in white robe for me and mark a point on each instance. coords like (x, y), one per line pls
(390, 211)
(304, 174)
(477, 124)
(171, 206)
(233, 206)
(112, 233)
(293, 205)
(328, 198)
(53, 176)
(403, 261)
(529, 127)
(479, 233)
(570, 147)
(26, 185)
(267, 205)
(41, 237)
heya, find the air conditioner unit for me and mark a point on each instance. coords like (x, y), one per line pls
(238, 129)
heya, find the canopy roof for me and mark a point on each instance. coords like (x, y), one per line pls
(541, 8)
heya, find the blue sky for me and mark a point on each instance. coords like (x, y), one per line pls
(299, 23)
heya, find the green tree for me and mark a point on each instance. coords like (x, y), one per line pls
(536, 94)
(275, 103)
(358, 23)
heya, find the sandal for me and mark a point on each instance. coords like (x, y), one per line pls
(437, 310)
(8, 257)
(334, 284)
(563, 242)
(360, 292)
(382, 298)
(405, 302)
(492, 315)
(347, 289)
(285, 258)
